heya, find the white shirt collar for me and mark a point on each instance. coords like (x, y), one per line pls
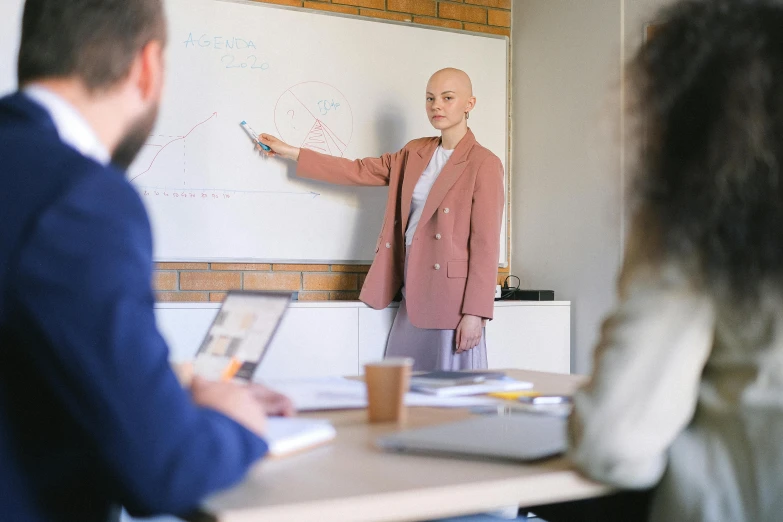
(70, 124)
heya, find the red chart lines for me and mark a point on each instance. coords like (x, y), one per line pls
(163, 147)
(316, 116)
(321, 137)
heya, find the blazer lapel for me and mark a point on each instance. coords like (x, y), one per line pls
(448, 176)
(413, 171)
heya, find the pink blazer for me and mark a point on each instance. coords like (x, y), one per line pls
(453, 262)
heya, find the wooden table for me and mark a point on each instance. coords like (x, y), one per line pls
(351, 480)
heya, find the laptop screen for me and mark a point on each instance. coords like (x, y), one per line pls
(240, 335)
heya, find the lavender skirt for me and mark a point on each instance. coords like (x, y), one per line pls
(432, 349)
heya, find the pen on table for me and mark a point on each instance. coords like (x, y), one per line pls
(514, 395)
(544, 400)
(253, 135)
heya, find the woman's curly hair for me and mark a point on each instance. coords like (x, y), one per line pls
(709, 102)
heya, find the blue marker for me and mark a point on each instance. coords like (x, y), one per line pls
(253, 135)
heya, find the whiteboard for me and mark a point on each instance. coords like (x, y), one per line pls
(10, 33)
(342, 85)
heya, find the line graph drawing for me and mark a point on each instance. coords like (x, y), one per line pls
(149, 159)
(168, 160)
(315, 115)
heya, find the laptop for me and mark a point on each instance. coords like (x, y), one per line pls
(238, 338)
(519, 436)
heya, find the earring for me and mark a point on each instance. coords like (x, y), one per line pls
(467, 115)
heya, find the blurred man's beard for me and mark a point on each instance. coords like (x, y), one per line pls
(134, 139)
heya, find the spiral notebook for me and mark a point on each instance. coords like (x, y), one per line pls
(292, 435)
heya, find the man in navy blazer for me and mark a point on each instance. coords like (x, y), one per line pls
(91, 414)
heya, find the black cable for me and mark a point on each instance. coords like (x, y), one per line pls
(507, 292)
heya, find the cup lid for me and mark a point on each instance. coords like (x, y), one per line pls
(393, 361)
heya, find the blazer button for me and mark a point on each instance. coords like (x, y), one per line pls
(437, 266)
(446, 210)
(438, 236)
(388, 245)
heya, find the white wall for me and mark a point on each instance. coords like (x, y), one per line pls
(568, 178)
(10, 30)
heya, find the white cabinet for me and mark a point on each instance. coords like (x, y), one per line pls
(184, 327)
(374, 329)
(530, 336)
(313, 342)
(338, 338)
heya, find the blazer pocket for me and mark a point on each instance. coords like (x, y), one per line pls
(457, 269)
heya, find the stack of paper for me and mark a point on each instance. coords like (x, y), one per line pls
(453, 378)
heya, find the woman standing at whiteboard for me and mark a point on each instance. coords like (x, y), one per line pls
(439, 242)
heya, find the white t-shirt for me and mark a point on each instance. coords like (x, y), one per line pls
(422, 190)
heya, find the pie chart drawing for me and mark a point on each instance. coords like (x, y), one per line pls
(316, 116)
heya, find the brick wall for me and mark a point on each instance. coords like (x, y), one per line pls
(486, 16)
(189, 282)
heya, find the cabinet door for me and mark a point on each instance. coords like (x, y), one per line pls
(374, 328)
(314, 342)
(185, 328)
(530, 338)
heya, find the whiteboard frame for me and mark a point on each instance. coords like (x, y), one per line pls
(507, 214)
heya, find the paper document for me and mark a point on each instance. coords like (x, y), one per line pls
(289, 435)
(322, 393)
(339, 393)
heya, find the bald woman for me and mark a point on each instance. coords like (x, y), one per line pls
(439, 243)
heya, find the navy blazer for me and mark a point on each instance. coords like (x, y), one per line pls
(91, 414)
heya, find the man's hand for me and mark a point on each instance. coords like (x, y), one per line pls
(232, 400)
(272, 402)
(275, 404)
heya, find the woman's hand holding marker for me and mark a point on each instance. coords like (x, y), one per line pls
(279, 147)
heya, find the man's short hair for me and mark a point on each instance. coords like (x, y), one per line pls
(94, 40)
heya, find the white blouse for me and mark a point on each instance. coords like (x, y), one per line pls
(422, 190)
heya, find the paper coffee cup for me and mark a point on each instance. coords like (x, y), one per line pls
(387, 382)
